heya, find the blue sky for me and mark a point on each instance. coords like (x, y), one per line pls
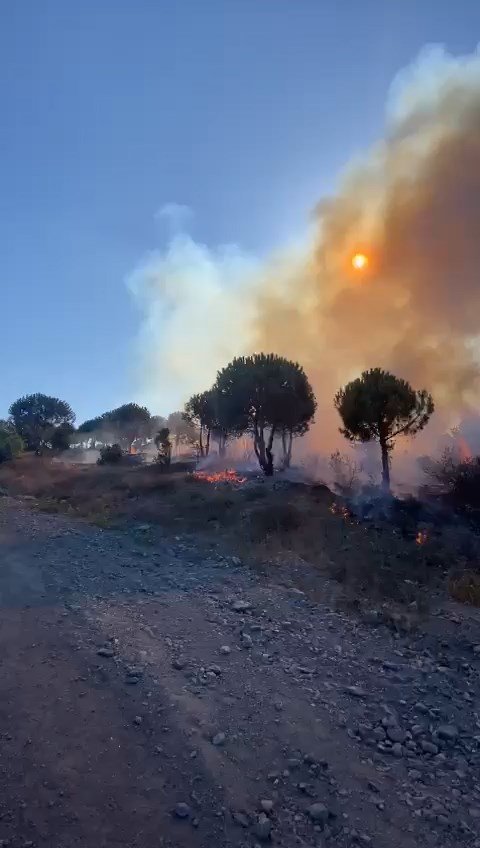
(243, 110)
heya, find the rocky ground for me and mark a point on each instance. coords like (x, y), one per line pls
(155, 692)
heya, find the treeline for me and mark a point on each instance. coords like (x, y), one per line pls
(263, 396)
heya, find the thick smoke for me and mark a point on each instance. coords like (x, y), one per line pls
(412, 205)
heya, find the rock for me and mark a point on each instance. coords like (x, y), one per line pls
(263, 828)
(225, 649)
(396, 734)
(241, 819)
(318, 813)
(235, 560)
(241, 606)
(397, 750)
(182, 810)
(138, 720)
(179, 663)
(246, 641)
(448, 732)
(219, 739)
(379, 734)
(266, 805)
(106, 652)
(278, 704)
(132, 680)
(474, 812)
(421, 708)
(356, 691)
(215, 669)
(428, 747)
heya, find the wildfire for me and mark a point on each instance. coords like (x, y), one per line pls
(421, 537)
(340, 509)
(229, 475)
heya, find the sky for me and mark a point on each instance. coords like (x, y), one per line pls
(244, 111)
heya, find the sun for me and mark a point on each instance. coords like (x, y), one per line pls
(359, 261)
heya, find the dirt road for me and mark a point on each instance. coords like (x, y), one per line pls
(154, 693)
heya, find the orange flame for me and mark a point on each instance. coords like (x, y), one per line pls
(229, 475)
(464, 451)
(421, 537)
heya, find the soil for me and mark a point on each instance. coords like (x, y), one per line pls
(158, 692)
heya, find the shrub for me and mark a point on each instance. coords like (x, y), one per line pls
(110, 455)
(466, 588)
(11, 444)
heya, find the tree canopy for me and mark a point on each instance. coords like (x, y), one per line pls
(265, 395)
(37, 416)
(11, 444)
(379, 406)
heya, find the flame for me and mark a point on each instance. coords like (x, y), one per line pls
(464, 451)
(340, 509)
(229, 475)
(421, 537)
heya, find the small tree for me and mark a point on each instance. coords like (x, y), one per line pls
(199, 414)
(164, 447)
(181, 430)
(130, 422)
(11, 444)
(62, 437)
(266, 395)
(36, 417)
(379, 406)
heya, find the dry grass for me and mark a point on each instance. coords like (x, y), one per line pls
(465, 588)
(295, 529)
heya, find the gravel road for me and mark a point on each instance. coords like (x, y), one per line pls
(157, 693)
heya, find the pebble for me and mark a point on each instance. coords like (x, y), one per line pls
(182, 810)
(448, 732)
(428, 747)
(241, 606)
(318, 812)
(246, 641)
(179, 663)
(219, 739)
(225, 649)
(138, 720)
(396, 734)
(266, 805)
(356, 691)
(263, 828)
(240, 818)
(105, 652)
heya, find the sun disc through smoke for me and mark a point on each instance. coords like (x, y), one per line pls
(359, 261)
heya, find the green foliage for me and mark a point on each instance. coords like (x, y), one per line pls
(202, 412)
(266, 395)
(110, 455)
(11, 444)
(62, 436)
(379, 406)
(182, 430)
(164, 447)
(37, 416)
(129, 422)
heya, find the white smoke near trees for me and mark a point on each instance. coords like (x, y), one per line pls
(412, 205)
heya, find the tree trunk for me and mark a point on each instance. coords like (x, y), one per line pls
(385, 466)
(207, 446)
(221, 444)
(200, 440)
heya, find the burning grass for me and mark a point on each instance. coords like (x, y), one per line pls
(228, 475)
(302, 534)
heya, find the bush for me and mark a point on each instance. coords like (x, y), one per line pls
(11, 444)
(466, 588)
(110, 455)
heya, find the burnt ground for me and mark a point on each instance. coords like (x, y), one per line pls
(168, 695)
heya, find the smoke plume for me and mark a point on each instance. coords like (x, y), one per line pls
(411, 205)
